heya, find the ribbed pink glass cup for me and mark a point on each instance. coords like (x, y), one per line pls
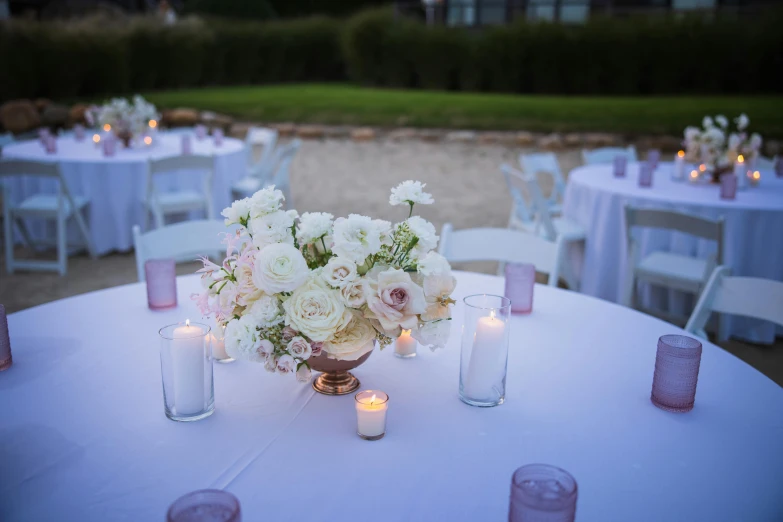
(728, 186)
(217, 135)
(645, 174)
(676, 373)
(187, 147)
(620, 163)
(779, 166)
(653, 157)
(5, 341)
(542, 493)
(206, 505)
(161, 277)
(201, 132)
(520, 282)
(78, 132)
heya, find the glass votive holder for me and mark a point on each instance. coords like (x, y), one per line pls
(676, 373)
(219, 345)
(78, 132)
(754, 177)
(542, 493)
(520, 282)
(186, 367)
(405, 345)
(5, 341)
(620, 162)
(201, 132)
(109, 146)
(217, 135)
(728, 186)
(371, 406)
(161, 276)
(51, 144)
(645, 174)
(653, 157)
(484, 352)
(206, 505)
(187, 145)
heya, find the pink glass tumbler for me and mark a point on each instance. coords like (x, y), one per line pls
(620, 163)
(728, 186)
(206, 505)
(51, 144)
(201, 132)
(542, 493)
(676, 373)
(779, 166)
(79, 132)
(217, 135)
(5, 342)
(109, 146)
(653, 157)
(520, 282)
(161, 277)
(645, 175)
(187, 147)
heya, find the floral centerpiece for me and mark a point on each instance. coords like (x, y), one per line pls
(709, 145)
(299, 292)
(129, 120)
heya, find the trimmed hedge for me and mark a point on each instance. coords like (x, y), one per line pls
(604, 56)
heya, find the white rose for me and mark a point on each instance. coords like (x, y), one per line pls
(265, 201)
(266, 311)
(425, 231)
(353, 294)
(286, 364)
(303, 374)
(433, 264)
(238, 212)
(273, 228)
(742, 122)
(242, 340)
(316, 310)
(722, 120)
(279, 268)
(410, 192)
(313, 226)
(394, 299)
(300, 348)
(707, 122)
(352, 342)
(355, 238)
(438, 289)
(338, 272)
(434, 334)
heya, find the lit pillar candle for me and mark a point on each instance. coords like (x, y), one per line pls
(96, 139)
(405, 345)
(187, 361)
(754, 178)
(486, 359)
(679, 166)
(371, 406)
(739, 167)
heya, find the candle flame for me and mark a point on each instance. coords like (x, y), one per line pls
(107, 127)
(681, 154)
(96, 138)
(372, 400)
(187, 322)
(694, 174)
(153, 124)
(757, 175)
(405, 332)
(147, 140)
(702, 167)
(492, 314)
(740, 159)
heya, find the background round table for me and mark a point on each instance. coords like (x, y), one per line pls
(753, 233)
(116, 186)
(83, 435)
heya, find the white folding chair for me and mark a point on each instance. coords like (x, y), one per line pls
(607, 154)
(160, 203)
(744, 296)
(59, 207)
(502, 245)
(281, 177)
(546, 162)
(258, 172)
(6, 139)
(675, 271)
(521, 217)
(763, 163)
(182, 242)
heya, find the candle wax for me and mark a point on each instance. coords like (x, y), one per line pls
(187, 358)
(487, 360)
(405, 344)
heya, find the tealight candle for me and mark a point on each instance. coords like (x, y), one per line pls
(153, 124)
(187, 357)
(405, 345)
(219, 345)
(754, 178)
(107, 128)
(96, 139)
(694, 176)
(147, 140)
(371, 406)
(679, 166)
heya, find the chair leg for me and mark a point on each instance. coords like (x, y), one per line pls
(62, 245)
(25, 233)
(628, 289)
(160, 219)
(146, 218)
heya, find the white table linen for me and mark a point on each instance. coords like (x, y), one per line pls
(116, 186)
(83, 435)
(753, 233)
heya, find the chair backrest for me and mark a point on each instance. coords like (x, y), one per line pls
(268, 139)
(503, 245)
(607, 154)
(545, 162)
(182, 241)
(745, 296)
(540, 205)
(521, 209)
(189, 162)
(282, 164)
(6, 139)
(9, 167)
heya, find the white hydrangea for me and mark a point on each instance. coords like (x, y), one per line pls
(242, 339)
(385, 228)
(266, 201)
(722, 121)
(266, 311)
(356, 237)
(434, 334)
(410, 192)
(433, 264)
(313, 226)
(425, 231)
(755, 141)
(273, 228)
(707, 122)
(239, 210)
(742, 121)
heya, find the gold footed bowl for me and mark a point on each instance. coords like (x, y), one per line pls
(336, 378)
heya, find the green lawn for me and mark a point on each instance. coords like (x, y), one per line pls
(352, 105)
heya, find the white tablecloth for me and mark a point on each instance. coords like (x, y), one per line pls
(83, 435)
(116, 186)
(753, 233)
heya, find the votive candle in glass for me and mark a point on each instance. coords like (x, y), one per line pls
(201, 132)
(371, 406)
(645, 174)
(676, 373)
(161, 276)
(405, 345)
(693, 177)
(187, 145)
(739, 166)
(484, 353)
(542, 493)
(217, 135)
(619, 163)
(754, 177)
(206, 505)
(728, 186)
(96, 139)
(5, 341)
(678, 174)
(186, 366)
(219, 345)
(78, 132)
(520, 282)
(653, 157)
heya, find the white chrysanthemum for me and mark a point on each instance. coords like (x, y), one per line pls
(434, 334)
(242, 340)
(338, 272)
(355, 238)
(715, 136)
(692, 133)
(707, 122)
(313, 226)
(279, 268)
(734, 141)
(316, 310)
(409, 193)
(385, 229)
(425, 231)
(276, 227)
(721, 120)
(353, 341)
(266, 201)
(266, 311)
(239, 210)
(433, 264)
(742, 121)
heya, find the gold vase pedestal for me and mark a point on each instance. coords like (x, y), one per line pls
(335, 378)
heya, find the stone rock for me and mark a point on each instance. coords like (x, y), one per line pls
(461, 137)
(337, 133)
(76, 114)
(239, 130)
(402, 134)
(55, 115)
(525, 139)
(181, 117)
(310, 132)
(19, 116)
(600, 139)
(551, 142)
(491, 138)
(284, 129)
(42, 103)
(429, 136)
(363, 134)
(573, 139)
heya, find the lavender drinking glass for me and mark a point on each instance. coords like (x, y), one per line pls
(217, 135)
(728, 186)
(43, 134)
(187, 148)
(542, 493)
(620, 163)
(653, 157)
(161, 277)
(201, 132)
(520, 282)
(206, 505)
(676, 373)
(645, 174)
(779, 166)
(51, 144)
(79, 132)
(5, 342)
(109, 146)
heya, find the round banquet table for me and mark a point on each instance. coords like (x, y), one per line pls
(116, 186)
(83, 435)
(752, 246)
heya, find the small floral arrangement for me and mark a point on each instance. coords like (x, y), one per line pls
(123, 115)
(294, 287)
(710, 145)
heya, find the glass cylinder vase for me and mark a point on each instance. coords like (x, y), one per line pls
(542, 493)
(186, 367)
(206, 505)
(484, 353)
